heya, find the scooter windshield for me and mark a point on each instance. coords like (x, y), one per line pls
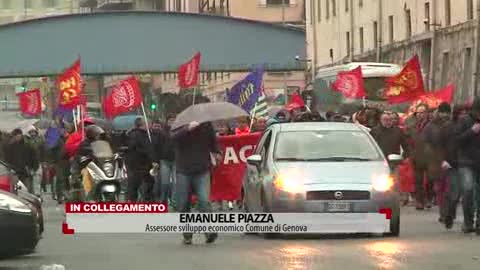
(102, 149)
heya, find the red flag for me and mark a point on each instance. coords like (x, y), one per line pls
(227, 177)
(296, 102)
(350, 83)
(124, 97)
(188, 72)
(70, 85)
(30, 102)
(407, 85)
(433, 99)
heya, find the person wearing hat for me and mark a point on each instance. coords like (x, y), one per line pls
(467, 134)
(21, 157)
(440, 156)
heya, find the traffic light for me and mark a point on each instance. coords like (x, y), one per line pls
(23, 87)
(153, 106)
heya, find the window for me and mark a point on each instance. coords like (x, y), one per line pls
(375, 34)
(360, 3)
(327, 7)
(361, 39)
(28, 4)
(427, 17)
(49, 3)
(6, 4)
(448, 14)
(334, 8)
(445, 67)
(408, 19)
(467, 71)
(346, 5)
(348, 43)
(469, 9)
(390, 28)
(264, 145)
(325, 146)
(159, 5)
(178, 5)
(277, 2)
(319, 18)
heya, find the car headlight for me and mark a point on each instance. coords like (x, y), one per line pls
(11, 204)
(382, 183)
(289, 184)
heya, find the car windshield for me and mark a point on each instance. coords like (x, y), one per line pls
(325, 146)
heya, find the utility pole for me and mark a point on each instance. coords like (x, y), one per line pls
(476, 72)
(284, 72)
(379, 31)
(352, 32)
(433, 44)
(313, 62)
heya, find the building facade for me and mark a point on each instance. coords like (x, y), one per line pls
(441, 32)
(214, 84)
(19, 10)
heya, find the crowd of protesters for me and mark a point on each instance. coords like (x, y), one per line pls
(443, 146)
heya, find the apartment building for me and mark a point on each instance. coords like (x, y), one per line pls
(213, 84)
(18, 10)
(441, 32)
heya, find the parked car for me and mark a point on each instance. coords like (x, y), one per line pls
(340, 169)
(9, 182)
(19, 225)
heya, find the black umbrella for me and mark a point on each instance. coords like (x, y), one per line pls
(208, 112)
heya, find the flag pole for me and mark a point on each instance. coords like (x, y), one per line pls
(146, 122)
(308, 109)
(194, 95)
(252, 116)
(80, 117)
(74, 113)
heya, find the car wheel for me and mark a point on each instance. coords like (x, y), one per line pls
(394, 225)
(33, 246)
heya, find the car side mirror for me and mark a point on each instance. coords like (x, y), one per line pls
(255, 160)
(394, 158)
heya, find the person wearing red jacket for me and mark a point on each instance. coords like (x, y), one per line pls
(75, 139)
(243, 127)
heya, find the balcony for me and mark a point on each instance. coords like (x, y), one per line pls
(115, 4)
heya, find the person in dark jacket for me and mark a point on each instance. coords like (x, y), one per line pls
(414, 131)
(259, 125)
(441, 159)
(467, 135)
(21, 156)
(139, 160)
(390, 138)
(164, 156)
(194, 145)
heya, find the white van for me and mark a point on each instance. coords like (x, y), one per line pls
(374, 75)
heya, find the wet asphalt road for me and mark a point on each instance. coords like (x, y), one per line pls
(423, 244)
